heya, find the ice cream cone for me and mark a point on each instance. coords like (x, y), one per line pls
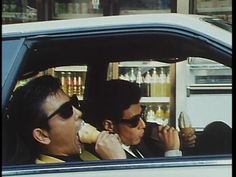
(187, 131)
(88, 134)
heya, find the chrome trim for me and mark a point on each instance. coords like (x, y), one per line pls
(191, 161)
(209, 89)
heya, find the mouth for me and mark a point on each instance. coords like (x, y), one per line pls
(77, 131)
(78, 138)
(142, 133)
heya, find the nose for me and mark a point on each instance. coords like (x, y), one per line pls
(142, 124)
(78, 114)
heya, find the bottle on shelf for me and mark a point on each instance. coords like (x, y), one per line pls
(69, 84)
(126, 77)
(154, 83)
(75, 84)
(79, 87)
(159, 112)
(167, 114)
(63, 82)
(122, 77)
(150, 114)
(132, 77)
(168, 87)
(162, 83)
(147, 84)
(139, 81)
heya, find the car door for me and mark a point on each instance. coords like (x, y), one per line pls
(97, 47)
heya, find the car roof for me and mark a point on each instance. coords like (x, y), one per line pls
(186, 21)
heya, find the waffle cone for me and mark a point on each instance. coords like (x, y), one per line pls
(187, 131)
(88, 134)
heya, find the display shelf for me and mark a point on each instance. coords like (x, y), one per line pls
(72, 68)
(208, 66)
(143, 64)
(155, 99)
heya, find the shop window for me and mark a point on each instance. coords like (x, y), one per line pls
(18, 11)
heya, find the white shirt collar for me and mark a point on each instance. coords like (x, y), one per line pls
(127, 149)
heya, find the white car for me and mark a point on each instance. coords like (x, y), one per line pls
(29, 48)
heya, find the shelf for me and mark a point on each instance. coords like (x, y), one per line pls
(213, 9)
(155, 99)
(72, 68)
(209, 89)
(208, 66)
(143, 64)
(210, 86)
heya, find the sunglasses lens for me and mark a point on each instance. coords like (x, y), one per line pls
(66, 111)
(74, 101)
(134, 121)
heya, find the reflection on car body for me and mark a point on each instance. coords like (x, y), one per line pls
(95, 42)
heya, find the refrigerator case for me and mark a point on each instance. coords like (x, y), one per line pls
(208, 77)
(204, 91)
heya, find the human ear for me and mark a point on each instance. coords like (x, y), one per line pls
(108, 125)
(41, 136)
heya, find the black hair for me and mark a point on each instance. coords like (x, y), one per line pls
(215, 139)
(114, 97)
(25, 109)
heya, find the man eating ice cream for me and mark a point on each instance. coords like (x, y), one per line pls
(49, 124)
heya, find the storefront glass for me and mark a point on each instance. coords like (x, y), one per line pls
(18, 11)
(144, 6)
(76, 9)
(219, 8)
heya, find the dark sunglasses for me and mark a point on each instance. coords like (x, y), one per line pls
(66, 109)
(133, 122)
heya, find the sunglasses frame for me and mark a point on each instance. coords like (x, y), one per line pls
(133, 122)
(73, 102)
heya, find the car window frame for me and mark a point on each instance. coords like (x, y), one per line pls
(20, 61)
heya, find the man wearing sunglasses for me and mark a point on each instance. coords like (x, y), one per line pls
(46, 122)
(120, 112)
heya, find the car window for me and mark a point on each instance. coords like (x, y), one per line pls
(9, 52)
(168, 90)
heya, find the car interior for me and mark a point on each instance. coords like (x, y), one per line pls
(97, 52)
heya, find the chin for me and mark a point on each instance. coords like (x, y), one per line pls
(137, 142)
